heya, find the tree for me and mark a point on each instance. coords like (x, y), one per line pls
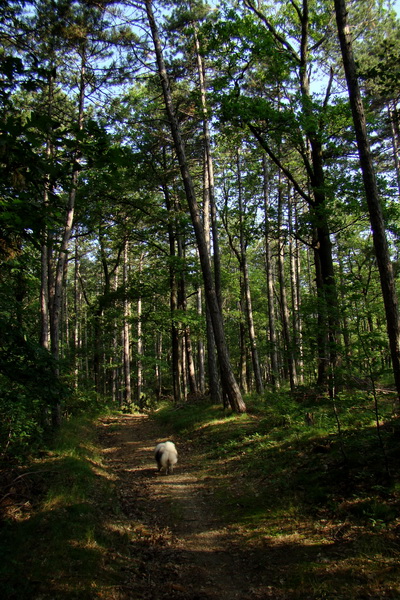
(371, 191)
(229, 383)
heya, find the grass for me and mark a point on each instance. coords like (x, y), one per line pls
(54, 535)
(328, 502)
(316, 514)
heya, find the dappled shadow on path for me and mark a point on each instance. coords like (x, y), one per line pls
(178, 547)
(178, 542)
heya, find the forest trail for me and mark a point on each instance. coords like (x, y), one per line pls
(179, 548)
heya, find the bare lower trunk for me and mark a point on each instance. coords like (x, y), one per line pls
(371, 192)
(57, 300)
(126, 354)
(270, 284)
(229, 383)
(139, 347)
(209, 221)
(246, 288)
(283, 298)
(200, 349)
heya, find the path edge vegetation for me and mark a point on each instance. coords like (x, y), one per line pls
(276, 480)
(56, 509)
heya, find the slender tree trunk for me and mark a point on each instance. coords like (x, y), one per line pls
(212, 363)
(371, 191)
(45, 252)
(283, 298)
(114, 372)
(139, 347)
(209, 218)
(200, 348)
(158, 347)
(314, 164)
(295, 289)
(270, 282)
(188, 369)
(246, 286)
(173, 297)
(126, 332)
(242, 341)
(229, 383)
(56, 305)
(394, 124)
(77, 309)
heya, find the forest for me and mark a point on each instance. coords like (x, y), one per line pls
(199, 208)
(185, 208)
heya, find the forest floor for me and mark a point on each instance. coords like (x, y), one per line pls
(187, 543)
(259, 506)
(180, 548)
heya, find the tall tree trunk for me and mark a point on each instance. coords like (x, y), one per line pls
(139, 346)
(295, 289)
(314, 165)
(158, 347)
(209, 218)
(212, 363)
(200, 348)
(56, 304)
(394, 125)
(243, 377)
(173, 300)
(126, 350)
(188, 370)
(229, 383)
(115, 338)
(273, 353)
(371, 191)
(76, 341)
(246, 285)
(45, 251)
(283, 297)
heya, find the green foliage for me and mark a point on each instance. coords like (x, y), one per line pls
(28, 391)
(286, 485)
(56, 548)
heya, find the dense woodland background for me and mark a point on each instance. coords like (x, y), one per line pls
(195, 224)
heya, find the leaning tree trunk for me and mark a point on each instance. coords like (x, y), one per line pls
(371, 191)
(229, 382)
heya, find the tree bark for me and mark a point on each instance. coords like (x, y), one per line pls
(126, 354)
(200, 348)
(273, 352)
(209, 222)
(371, 191)
(229, 383)
(173, 298)
(283, 298)
(314, 165)
(246, 287)
(139, 346)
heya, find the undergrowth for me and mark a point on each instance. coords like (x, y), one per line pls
(54, 537)
(329, 499)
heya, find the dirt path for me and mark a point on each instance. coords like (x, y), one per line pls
(178, 549)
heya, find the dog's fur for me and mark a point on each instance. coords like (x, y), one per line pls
(166, 456)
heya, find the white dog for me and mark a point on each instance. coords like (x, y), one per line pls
(166, 456)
